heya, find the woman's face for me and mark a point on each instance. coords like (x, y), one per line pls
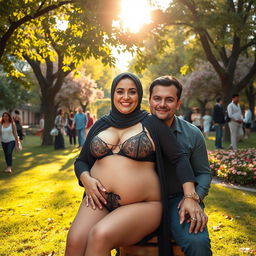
(126, 96)
(6, 118)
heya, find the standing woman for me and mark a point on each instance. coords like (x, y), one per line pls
(9, 138)
(59, 124)
(196, 118)
(71, 129)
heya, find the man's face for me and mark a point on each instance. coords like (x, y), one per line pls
(164, 103)
(236, 99)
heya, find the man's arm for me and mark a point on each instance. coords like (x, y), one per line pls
(200, 165)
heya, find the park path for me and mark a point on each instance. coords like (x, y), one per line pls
(229, 185)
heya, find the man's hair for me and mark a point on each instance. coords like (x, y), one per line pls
(17, 112)
(235, 95)
(166, 81)
(218, 99)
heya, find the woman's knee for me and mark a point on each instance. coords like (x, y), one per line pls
(75, 241)
(99, 237)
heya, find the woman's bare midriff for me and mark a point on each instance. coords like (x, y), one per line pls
(133, 181)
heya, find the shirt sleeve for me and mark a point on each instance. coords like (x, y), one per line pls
(200, 165)
(174, 152)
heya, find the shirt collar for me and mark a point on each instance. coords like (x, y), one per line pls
(176, 126)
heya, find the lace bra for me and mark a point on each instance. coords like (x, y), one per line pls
(138, 147)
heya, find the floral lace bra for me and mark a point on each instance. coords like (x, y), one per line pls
(138, 147)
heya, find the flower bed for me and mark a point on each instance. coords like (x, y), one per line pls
(236, 167)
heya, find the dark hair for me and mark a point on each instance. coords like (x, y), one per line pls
(17, 112)
(218, 99)
(166, 81)
(9, 115)
(59, 111)
(235, 95)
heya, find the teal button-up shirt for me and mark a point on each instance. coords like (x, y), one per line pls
(192, 141)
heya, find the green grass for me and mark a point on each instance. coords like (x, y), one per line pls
(244, 143)
(40, 199)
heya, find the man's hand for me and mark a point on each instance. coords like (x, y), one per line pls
(190, 211)
(94, 191)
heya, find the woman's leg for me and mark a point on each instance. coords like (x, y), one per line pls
(78, 233)
(126, 225)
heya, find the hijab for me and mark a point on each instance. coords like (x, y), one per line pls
(118, 119)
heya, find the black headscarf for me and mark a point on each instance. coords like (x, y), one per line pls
(120, 120)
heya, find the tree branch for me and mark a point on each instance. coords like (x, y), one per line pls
(15, 25)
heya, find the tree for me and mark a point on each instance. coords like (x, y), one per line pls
(204, 84)
(15, 91)
(17, 14)
(78, 91)
(79, 37)
(226, 31)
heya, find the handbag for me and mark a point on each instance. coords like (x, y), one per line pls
(18, 146)
(54, 131)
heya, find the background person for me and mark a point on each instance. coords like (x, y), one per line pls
(236, 122)
(247, 122)
(18, 123)
(9, 138)
(71, 131)
(164, 100)
(218, 117)
(90, 122)
(196, 118)
(207, 122)
(124, 145)
(59, 124)
(80, 122)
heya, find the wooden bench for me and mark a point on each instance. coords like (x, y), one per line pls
(149, 248)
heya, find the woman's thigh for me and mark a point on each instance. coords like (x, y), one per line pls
(84, 220)
(128, 224)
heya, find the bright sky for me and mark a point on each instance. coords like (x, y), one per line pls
(134, 14)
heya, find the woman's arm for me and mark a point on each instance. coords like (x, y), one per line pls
(93, 188)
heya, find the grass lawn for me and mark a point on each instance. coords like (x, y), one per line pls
(40, 199)
(244, 143)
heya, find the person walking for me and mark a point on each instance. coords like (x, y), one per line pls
(236, 121)
(218, 121)
(80, 122)
(59, 124)
(9, 138)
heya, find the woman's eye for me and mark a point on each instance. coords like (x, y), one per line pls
(133, 92)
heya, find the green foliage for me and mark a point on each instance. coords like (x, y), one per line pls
(14, 91)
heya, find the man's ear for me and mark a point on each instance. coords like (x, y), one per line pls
(178, 104)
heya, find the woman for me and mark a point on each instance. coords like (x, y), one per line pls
(59, 124)
(196, 118)
(122, 152)
(71, 129)
(207, 121)
(9, 138)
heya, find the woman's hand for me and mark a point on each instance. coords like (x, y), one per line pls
(94, 191)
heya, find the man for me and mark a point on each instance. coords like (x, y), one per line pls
(164, 100)
(236, 122)
(218, 117)
(80, 121)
